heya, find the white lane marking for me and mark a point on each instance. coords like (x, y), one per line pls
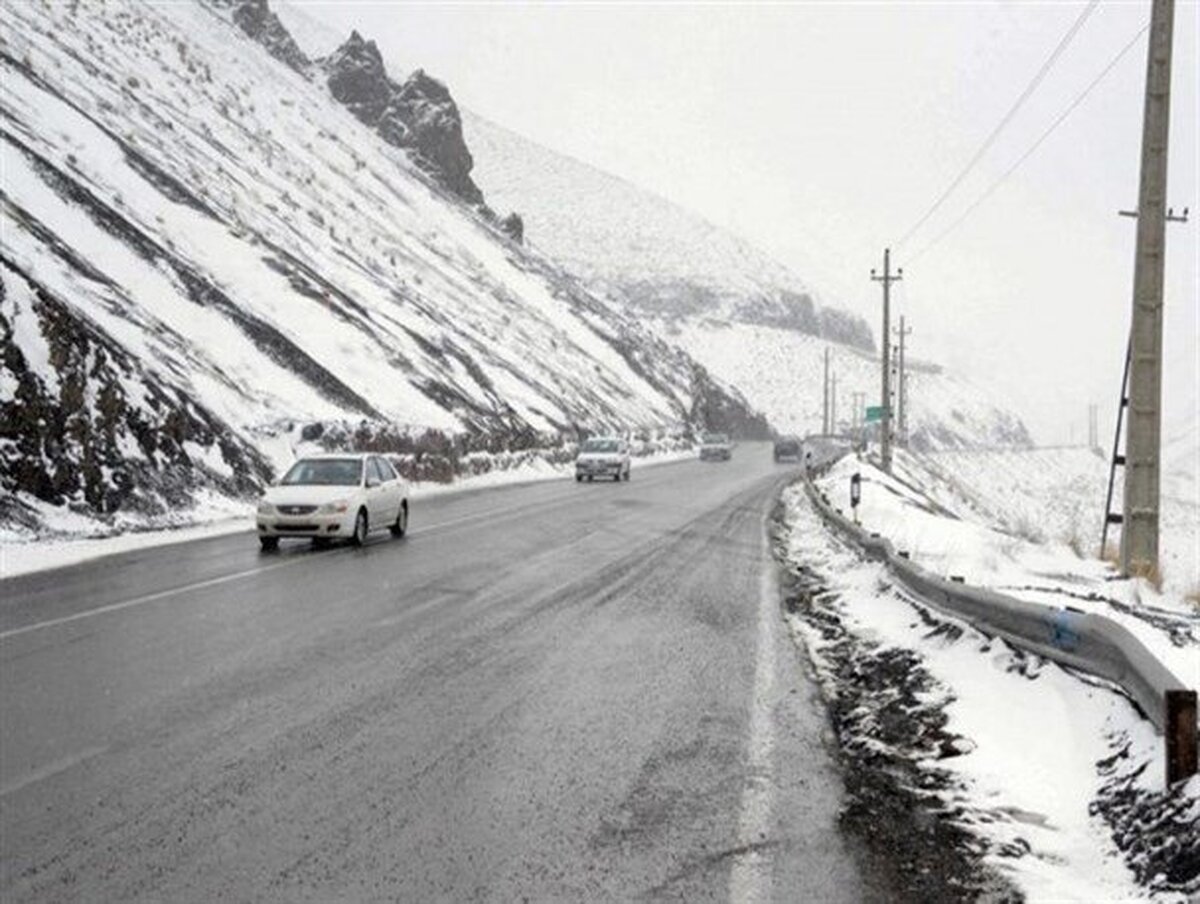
(236, 576)
(224, 579)
(148, 598)
(750, 876)
(50, 769)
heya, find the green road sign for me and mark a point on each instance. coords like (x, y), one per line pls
(874, 413)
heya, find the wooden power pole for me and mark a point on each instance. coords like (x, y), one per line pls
(1143, 437)
(885, 436)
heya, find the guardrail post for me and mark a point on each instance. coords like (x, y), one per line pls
(1180, 735)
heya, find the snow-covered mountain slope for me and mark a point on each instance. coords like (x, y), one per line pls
(653, 255)
(746, 317)
(200, 246)
(782, 373)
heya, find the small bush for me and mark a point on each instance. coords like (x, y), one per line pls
(1192, 598)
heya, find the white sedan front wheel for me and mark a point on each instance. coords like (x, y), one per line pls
(360, 528)
(401, 526)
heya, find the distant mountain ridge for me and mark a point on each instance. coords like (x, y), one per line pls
(654, 256)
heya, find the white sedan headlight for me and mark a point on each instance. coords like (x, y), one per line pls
(333, 508)
(265, 508)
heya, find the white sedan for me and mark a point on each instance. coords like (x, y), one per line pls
(327, 496)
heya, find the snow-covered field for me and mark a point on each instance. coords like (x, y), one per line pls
(1042, 751)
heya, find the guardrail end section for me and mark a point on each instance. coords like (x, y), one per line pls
(1180, 735)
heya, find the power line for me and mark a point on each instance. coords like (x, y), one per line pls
(1029, 153)
(990, 140)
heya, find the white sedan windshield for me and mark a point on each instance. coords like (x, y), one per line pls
(337, 472)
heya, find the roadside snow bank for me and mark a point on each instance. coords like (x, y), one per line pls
(1024, 758)
(940, 528)
(1058, 494)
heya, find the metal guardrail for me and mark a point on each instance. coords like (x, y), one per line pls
(1081, 640)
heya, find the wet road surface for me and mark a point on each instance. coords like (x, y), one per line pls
(551, 692)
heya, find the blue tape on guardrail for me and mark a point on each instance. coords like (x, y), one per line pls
(1065, 636)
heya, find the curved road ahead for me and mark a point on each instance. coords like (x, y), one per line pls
(551, 692)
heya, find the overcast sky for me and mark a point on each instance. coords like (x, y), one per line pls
(823, 131)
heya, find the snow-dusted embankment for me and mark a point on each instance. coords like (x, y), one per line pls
(1058, 777)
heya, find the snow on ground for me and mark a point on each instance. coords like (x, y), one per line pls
(224, 223)
(1028, 736)
(1059, 494)
(216, 516)
(922, 514)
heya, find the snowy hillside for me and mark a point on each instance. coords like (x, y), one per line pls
(655, 256)
(1057, 496)
(743, 315)
(782, 373)
(202, 247)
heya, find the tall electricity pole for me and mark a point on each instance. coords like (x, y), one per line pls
(825, 398)
(1139, 535)
(902, 387)
(833, 406)
(885, 440)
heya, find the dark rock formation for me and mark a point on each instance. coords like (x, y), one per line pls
(358, 80)
(418, 115)
(433, 128)
(255, 18)
(514, 227)
(723, 410)
(92, 428)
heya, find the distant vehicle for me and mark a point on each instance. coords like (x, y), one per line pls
(324, 497)
(787, 447)
(603, 456)
(715, 447)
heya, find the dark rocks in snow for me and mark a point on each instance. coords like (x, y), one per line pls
(514, 227)
(88, 426)
(418, 115)
(1156, 830)
(433, 128)
(721, 410)
(255, 18)
(888, 716)
(784, 310)
(358, 80)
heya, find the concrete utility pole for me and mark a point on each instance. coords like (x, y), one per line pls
(885, 435)
(902, 381)
(1139, 536)
(825, 403)
(833, 405)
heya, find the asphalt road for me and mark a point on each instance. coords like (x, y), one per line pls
(552, 692)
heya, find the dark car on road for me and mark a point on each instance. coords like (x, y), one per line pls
(716, 447)
(787, 447)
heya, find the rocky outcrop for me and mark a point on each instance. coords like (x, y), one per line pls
(418, 114)
(255, 18)
(723, 410)
(357, 79)
(514, 227)
(86, 425)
